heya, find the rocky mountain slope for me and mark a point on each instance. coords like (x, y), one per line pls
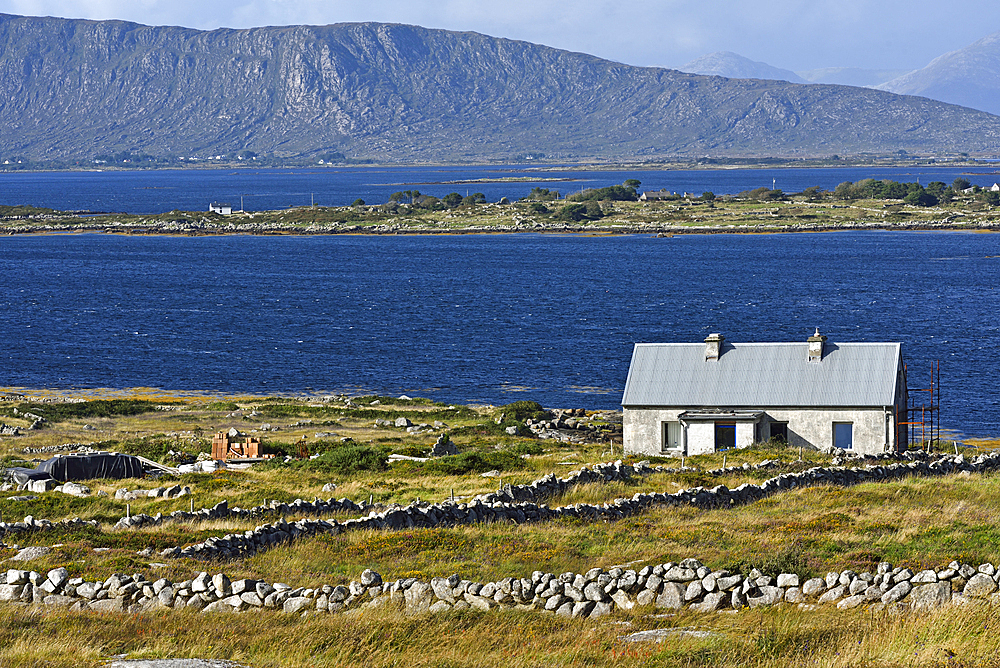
(74, 88)
(735, 66)
(969, 77)
(850, 76)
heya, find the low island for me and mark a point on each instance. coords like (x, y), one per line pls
(618, 209)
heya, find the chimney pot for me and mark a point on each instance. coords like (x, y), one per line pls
(713, 346)
(816, 342)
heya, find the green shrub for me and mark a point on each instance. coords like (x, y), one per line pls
(85, 409)
(612, 193)
(153, 447)
(8, 461)
(227, 406)
(21, 211)
(317, 447)
(527, 448)
(412, 451)
(475, 462)
(542, 194)
(522, 410)
(348, 460)
(572, 212)
(762, 195)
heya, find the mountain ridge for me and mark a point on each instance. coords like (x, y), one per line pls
(734, 66)
(392, 92)
(967, 77)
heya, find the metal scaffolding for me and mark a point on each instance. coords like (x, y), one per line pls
(923, 410)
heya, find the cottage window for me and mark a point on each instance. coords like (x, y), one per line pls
(843, 435)
(779, 431)
(671, 436)
(725, 435)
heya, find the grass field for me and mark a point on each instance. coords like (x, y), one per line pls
(913, 522)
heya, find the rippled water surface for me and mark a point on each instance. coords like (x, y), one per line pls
(483, 318)
(159, 191)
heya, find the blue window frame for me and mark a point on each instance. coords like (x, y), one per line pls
(843, 435)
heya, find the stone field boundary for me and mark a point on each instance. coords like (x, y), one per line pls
(670, 586)
(503, 506)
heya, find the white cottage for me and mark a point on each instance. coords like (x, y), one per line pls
(697, 398)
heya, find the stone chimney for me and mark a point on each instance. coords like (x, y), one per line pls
(816, 342)
(713, 347)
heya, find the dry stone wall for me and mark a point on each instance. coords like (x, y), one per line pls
(670, 586)
(504, 506)
(30, 524)
(516, 503)
(222, 510)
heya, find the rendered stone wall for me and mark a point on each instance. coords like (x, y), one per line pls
(807, 427)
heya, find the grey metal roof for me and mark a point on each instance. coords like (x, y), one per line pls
(762, 375)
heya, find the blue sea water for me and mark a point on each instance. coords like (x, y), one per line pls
(483, 318)
(160, 191)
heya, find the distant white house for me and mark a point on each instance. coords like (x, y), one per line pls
(697, 398)
(656, 195)
(222, 209)
(995, 188)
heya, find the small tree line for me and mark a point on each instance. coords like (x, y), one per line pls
(934, 193)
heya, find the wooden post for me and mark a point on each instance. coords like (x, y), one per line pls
(128, 511)
(723, 460)
(192, 504)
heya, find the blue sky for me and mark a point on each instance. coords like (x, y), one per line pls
(793, 34)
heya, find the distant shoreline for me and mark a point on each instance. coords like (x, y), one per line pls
(763, 162)
(589, 230)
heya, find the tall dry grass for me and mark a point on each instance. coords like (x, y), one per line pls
(783, 637)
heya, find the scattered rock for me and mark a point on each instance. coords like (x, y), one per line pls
(30, 553)
(73, 489)
(659, 635)
(443, 447)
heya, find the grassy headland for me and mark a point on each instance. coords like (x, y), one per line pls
(809, 531)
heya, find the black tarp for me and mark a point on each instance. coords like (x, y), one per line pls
(98, 465)
(19, 475)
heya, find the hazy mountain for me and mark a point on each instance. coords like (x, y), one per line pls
(73, 88)
(850, 76)
(969, 77)
(734, 66)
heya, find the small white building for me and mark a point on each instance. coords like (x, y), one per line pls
(697, 398)
(222, 209)
(655, 195)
